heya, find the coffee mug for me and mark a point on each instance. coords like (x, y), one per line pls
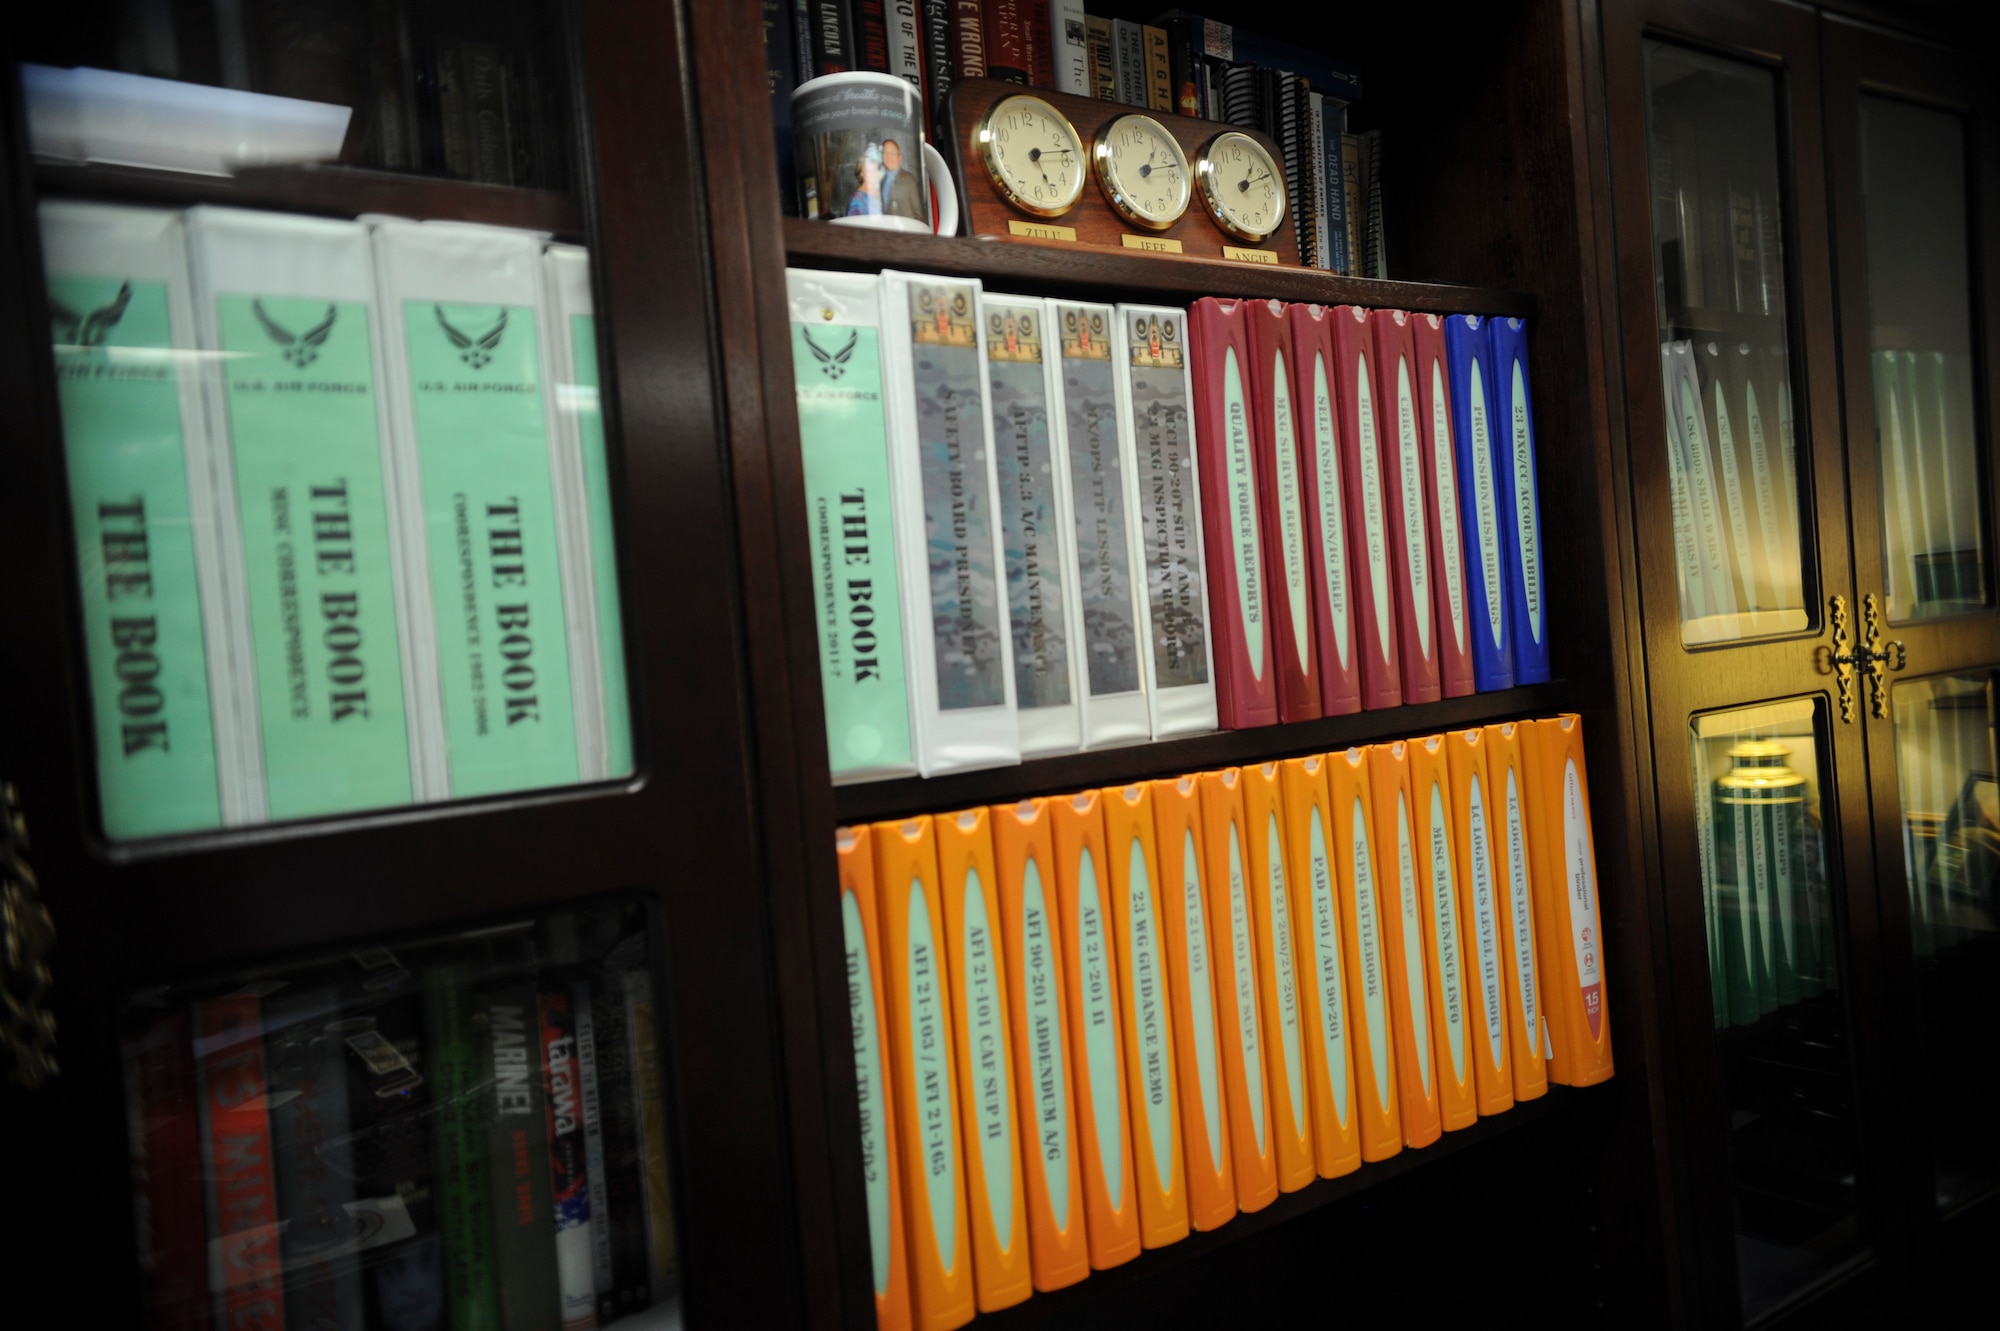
(859, 150)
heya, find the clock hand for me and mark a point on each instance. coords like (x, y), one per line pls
(1248, 181)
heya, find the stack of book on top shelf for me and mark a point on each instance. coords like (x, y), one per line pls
(1041, 525)
(1179, 64)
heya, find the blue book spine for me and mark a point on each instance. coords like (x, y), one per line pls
(1521, 531)
(1333, 117)
(1469, 360)
(780, 77)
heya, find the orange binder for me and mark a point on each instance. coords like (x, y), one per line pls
(1323, 1007)
(1481, 887)
(1403, 942)
(1024, 864)
(939, 1246)
(1527, 1030)
(1436, 844)
(1252, 1150)
(1277, 973)
(1131, 850)
(861, 932)
(1090, 979)
(1352, 797)
(979, 1031)
(1564, 857)
(1184, 871)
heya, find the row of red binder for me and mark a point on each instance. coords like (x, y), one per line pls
(1087, 1024)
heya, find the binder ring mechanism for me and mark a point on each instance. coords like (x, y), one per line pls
(1872, 656)
(27, 937)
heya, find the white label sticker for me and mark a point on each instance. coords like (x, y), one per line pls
(1045, 1042)
(1486, 926)
(1248, 1021)
(1415, 981)
(1149, 1016)
(1332, 513)
(1327, 964)
(1444, 911)
(1291, 511)
(862, 1019)
(1374, 529)
(1521, 905)
(1100, 1023)
(1580, 860)
(1368, 940)
(1447, 495)
(1243, 538)
(1486, 510)
(1281, 963)
(1201, 997)
(930, 1055)
(986, 1054)
(1416, 535)
(1528, 527)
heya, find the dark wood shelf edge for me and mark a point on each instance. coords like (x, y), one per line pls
(329, 191)
(1061, 1303)
(874, 800)
(1041, 266)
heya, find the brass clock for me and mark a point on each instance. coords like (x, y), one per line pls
(1243, 188)
(1143, 172)
(1034, 155)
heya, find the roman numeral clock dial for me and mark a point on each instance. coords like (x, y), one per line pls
(1034, 155)
(1142, 171)
(1242, 187)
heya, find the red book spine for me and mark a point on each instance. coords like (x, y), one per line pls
(165, 1136)
(1403, 502)
(1245, 685)
(1441, 507)
(1041, 56)
(1368, 553)
(242, 1187)
(1007, 40)
(968, 39)
(871, 36)
(1316, 407)
(1287, 586)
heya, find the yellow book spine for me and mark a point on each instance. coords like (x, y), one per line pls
(1526, 1026)
(1323, 1003)
(1403, 942)
(1479, 893)
(1566, 906)
(1352, 797)
(1444, 933)
(1277, 971)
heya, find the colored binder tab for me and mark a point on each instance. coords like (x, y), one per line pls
(1035, 530)
(1403, 942)
(947, 534)
(1482, 913)
(1245, 666)
(1527, 1025)
(1277, 971)
(1324, 1009)
(1474, 399)
(1443, 509)
(170, 753)
(925, 1073)
(860, 927)
(1445, 932)
(1521, 533)
(1024, 863)
(988, 1128)
(1351, 794)
(1403, 505)
(1156, 421)
(1090, 979)
(1564, 858)
(1190, 944)
(1369, 550)
(1153, 1094)
(1252, 1148)
(1314, 374)
(864, 655)
(1281, 487)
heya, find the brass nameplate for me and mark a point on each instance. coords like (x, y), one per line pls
(1248, 256)
(1157, 244)
(1041, 230)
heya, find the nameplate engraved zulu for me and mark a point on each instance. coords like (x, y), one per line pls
(1040, 230)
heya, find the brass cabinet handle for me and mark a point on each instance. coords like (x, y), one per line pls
(1840, 659)
(27, 937)
(1875, 654)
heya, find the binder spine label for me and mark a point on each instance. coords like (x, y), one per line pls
(1485, 924)
(1045, 1038)
(866, 1027)
(1169, 519)
(1416, 549)
(1100, 1014)
(1528, 518)
(1486, 504)
(1291, 512)
(929, 1029)
(1581, 880)
(1374, 998)
(1375, 531)
(1246, 988)
(1149, 1018)
(1520, 902)
(1243, 536)
(1444, 905)
(967, 614)
(1027, 506)
(1447, 494)
(1327, 956)
(1201, 997)
(1281, 958)
(1414, 978)
(1103, 550)
(1332, 505)
(986, 1051)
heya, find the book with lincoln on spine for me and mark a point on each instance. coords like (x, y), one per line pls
(1282, 488)
(1403, 505)
(1369, 534)
(1474, 402)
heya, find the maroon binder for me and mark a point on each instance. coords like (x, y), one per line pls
(1281, 489)
(1316, 409)
(1403, 502)
(1364, 453)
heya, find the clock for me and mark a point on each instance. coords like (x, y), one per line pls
(1034, 155)
(1143, 171)
(1242, 186)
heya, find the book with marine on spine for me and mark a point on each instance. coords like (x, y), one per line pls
(517, 1155)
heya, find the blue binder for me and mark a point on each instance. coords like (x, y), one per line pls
(1521, 533)
(1468, 357)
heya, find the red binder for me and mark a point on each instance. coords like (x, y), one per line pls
(1316, 409)
(1246, 691)
(1447, 524)
(1280, 485)
(1368, 550)
(1403, 502)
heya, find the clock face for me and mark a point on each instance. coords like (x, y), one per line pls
(1243, 188)
(1143, 171)
(1033, 154)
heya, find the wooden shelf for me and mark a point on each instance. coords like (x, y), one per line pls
(870, 801)
(1064, 1304)
(330, 191)
(1042, 267)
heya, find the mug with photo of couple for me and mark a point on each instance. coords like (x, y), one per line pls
(862, 159)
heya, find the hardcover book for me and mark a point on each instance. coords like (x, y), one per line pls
(517, 1156)
(246, 1273)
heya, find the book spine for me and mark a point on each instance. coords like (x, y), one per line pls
(1375, 256)
(1287, 588)
(968, 39)
(832, 37)
(1350, 180)
(1369, 551)
(1473, 403)
(1159, 69)
(308, 1097)
(1103, 59)
(1069, 47)
(1403, 504)
(163, 1132)
(1041, 47)
(778, 84)
(569, 1170)
(869, 24)
(1316, 183)
(1129, 46)
(603, 1268)
(1441, 506)
(1225, 42)
(650, 1106)
(1183, 86)
(624, 1171)
(940, 66)
(1526, 604)
(485, 113)
(517, 1156)
(1335, 210)
(245, 1272)
(1006, 28)
(906, 47)
(1239, 96)
(458, 1146)
(1289, 95)
(1315, 371)
(802, 14)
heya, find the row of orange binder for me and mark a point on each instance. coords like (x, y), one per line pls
(1084, 1024)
